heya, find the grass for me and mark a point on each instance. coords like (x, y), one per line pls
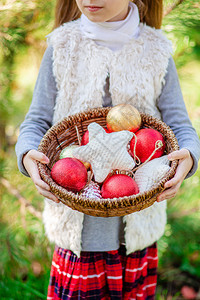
(25, 252)
(179, 250)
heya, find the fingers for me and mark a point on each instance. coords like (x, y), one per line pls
(172, 186)
(184, 166)
(47, 194)
(31, 166)
(42, 187)
(178, 178)
(40, 183)
(169, 193)
(35, 176)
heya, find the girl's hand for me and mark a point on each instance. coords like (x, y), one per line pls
(184, 166)
(30, 163)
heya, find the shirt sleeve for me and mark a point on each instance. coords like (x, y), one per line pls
(174, 114)
(39, 117)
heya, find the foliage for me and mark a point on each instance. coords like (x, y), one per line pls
(22, 25)
(25, 252)
(183, 28)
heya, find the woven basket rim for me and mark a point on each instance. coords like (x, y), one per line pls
(103, 204)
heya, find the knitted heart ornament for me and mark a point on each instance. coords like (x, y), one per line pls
(146, 145)
(151, 173)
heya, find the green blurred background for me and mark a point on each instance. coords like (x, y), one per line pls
(25, 253)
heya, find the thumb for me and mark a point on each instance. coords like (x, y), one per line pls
(39, 156)
(178, 154)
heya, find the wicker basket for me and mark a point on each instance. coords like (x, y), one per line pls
(64, 134)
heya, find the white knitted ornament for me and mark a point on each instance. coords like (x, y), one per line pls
(106, 151)
(92, 190)
(151, 173)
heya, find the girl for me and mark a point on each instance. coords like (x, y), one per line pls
(102, 53)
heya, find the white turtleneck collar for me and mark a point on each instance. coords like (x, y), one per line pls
(113, 34)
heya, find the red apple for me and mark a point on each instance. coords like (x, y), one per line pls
(85, 137)
(106, 130)
(119, 185)
(147, 140)
(70, 173)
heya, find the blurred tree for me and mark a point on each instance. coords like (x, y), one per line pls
(25, 23)
(182, 26)
(22, 24)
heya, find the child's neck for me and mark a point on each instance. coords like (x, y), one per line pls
(113, 34)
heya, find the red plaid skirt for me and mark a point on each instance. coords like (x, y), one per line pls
(104, 275)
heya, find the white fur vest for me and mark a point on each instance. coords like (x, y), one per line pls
(136, 76)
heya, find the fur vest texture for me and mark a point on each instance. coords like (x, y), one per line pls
(136, 74)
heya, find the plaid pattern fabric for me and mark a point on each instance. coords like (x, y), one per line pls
(103, 275)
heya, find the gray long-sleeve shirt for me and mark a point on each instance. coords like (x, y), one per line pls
(103, 234)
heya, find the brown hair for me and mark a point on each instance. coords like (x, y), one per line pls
(66, 10)
(151, 12)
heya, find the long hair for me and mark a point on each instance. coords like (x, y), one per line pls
(65, 11)
(151, 12)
